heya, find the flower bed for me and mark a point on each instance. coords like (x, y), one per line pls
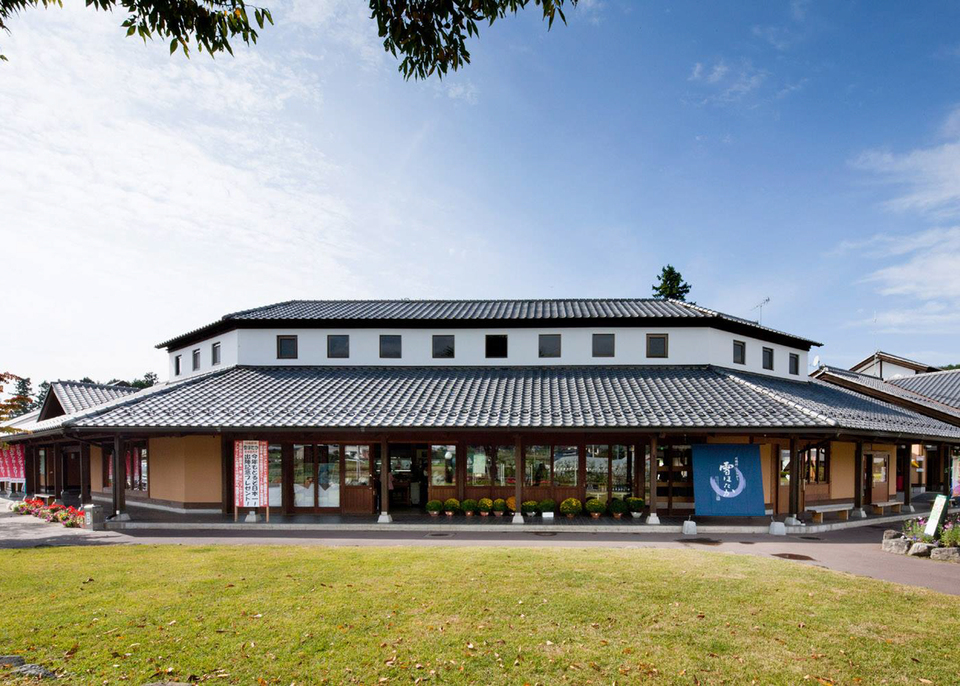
(913, 541)
(68, 516)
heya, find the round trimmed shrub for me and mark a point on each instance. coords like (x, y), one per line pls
(484, 504)
(617, 506)
(512, 504)
(571, 506)
(469, 505)
(528, 507)
(595, 506)
(499, 505)
(451, 505)
(635, 504)
(547, 506)
(434, 506)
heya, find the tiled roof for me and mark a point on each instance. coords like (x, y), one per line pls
(895, 359)
(409, 311)
(75, 396)
(509, 397)
(873, 385)
(942, 386)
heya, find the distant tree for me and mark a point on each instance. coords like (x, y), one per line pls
(11, 404)
(950, 366)
(87, 379)
(24, 397)
(149, 379)
(42, 391)
(671, 284)
(430, 35)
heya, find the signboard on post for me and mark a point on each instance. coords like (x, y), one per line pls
(727, 480)
(937, 514)
(250, 488)
(12, 464)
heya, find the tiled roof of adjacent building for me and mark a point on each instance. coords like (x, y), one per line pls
(505, 312)
(942, 386)
(895, 359)
(80, 395)
(674, 398)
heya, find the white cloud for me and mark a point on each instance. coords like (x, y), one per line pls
(726, 84)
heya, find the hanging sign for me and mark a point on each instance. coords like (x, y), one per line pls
(937, 513)
(727, 480)
(11, 464)
(250, 474)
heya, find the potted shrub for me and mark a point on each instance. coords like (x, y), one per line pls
(571, 507)
(529, 507)
(499, 507)
(434, 507)
(635, 505)
(596, 508)
(547, 508)
(451, 506)
(617, 508)
(511, 504)
(469, 506)
(485, 505)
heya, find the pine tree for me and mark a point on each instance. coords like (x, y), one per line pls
(22, 401)
(671, 285)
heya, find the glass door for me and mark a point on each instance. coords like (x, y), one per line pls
(328, 476)
(304, 478)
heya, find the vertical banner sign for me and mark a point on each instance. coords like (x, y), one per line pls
(12, 464)
(250, 487)
(727, 480)
(937, 513)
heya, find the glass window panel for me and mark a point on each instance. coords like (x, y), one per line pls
(215, 353)
(286, 347)
(566, 465)
(303, 476)
(505, 466)
(177, 365)
(656, 345)
(621, 468)
(496, 345)
(794, 363)
(479, 466)
(768, 358)
(603, 344)
(879, 469)
(338, 346)
(784, 467)
(390, 346)
(275, 474)
(537, 465)
(328, 476)
(598, 465)
(144, 469)
(739, 352)
(443, 465)
(549, 345)
(444, 347)
(356, 464)
(196, 359)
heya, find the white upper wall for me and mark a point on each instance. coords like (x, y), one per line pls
(686, 346)
(883, 369)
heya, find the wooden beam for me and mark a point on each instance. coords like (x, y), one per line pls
(29, 470)
(119, 479)
(226, 474)
(795, 476)
(858, 469)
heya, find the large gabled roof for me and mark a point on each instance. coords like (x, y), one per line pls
(68, 397)
(894, 359)
(671, 398)
(943, 386)
(581, 311)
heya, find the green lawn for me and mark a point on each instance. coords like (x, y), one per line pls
(244, 614)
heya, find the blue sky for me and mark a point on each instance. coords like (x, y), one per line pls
(806, 152)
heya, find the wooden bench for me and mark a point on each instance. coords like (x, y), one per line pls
(842, 510)
(894, 506)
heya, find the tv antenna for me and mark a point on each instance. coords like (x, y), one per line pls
(759, 308)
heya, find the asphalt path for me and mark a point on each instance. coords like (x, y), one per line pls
(853, 551)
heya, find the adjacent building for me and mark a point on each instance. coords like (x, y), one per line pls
(535, 399)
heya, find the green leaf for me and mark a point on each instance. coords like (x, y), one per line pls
(173, 45)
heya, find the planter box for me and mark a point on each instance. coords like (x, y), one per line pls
(547, 515)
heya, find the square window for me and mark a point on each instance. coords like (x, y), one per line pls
(215, 353)
(549, 345)
(338, 346)
(443, 347)
(390, 346)
(656, 345)
(497, 345)
(286, 347)
(603, 344)
(195, 355)
(768, 358)
(739, 352)
(177, 365)
(794, 364)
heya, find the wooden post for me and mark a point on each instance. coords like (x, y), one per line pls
(906, 470)
(652, 518)
(795, 475)
(945, 469)
(384, 517)
(858, 470)
(517, 479)
(29, 470)
(638, 473)
(119, 481)
(85, 474)
(57, 457)
(226, 469)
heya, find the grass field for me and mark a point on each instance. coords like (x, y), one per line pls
(244, 614)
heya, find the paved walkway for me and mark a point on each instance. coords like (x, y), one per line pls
(855, 551)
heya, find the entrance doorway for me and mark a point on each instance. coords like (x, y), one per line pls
(409, 471)
(879, 465)
(316, 477)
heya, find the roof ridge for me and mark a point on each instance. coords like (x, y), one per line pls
(882, 384)
(776, 396)
(92, 383)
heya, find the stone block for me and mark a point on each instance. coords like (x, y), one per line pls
(35, 671)
(892, 533)
(951, 554)
(920, 549)
(11, 661)
(898, 546)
